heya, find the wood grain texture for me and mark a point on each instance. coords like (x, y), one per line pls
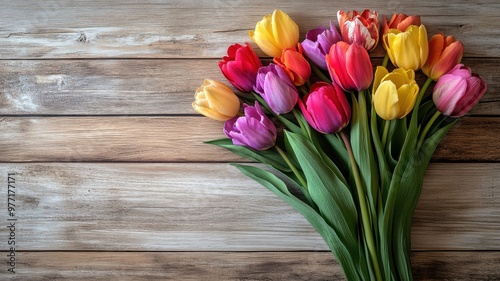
(86, 86)
(142, 87)
(201, 29)
(212, 207)
(315, 266)
(179, 139)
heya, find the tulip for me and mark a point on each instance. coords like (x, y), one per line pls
(400, 22)
(276, 88)
(350, 66)
(216, 101)
(444, 54)
(408, 49)
(361, 28)
(326, 108)
(275, 32)
(254, 129)
(456, 92)
(318, 42)
(394, 93)
(295, 65)
(240, 66)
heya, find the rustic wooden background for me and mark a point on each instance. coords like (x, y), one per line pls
(113, 181)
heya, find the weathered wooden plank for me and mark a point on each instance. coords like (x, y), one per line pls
(180, 29)
(315, 266)
(212, 207)
(179, 139)
(107, 87)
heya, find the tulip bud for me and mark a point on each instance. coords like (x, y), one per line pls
(240, 66)
(216, 101)
(400, 22)
(361, 28)
(326, 108)
(408, 49)
(394, 93)
(254, 129)
(295, 65)
(456, 92)
(276, 88)
(318, 42)
(444, 54)
(275, 32)
(350, 66)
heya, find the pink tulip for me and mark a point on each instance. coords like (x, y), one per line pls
(456, 92)
(350, 66)
(326, 108)
(240, 66)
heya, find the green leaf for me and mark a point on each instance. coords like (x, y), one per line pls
(407, 198)
(349, 259)
(330, 194)
(268, 157)
(362, 149)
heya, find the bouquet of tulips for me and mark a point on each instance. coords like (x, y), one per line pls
(348, 146)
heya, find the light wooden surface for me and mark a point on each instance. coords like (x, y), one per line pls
(113, 181)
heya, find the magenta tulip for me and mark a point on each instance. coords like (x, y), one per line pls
(326, 108)
(240, 66)
(254, 129)
(350, 66)
(318, 42)
(276, 88)
(456, 92)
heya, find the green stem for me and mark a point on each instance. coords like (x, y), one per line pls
(320, 73)
(426, 129)
(387, 124)
(422, 91)
(386, 60)
(294, 169)
(364, 210)
(302, 125)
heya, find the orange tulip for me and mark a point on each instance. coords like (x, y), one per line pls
(295, 65)
(400, 22)
(444, 54)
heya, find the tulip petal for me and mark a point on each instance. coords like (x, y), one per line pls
(386, 101)
(285, 30)
(407, 95)
(447, 93)
(380, 72)
(476, 88)
(359, 67)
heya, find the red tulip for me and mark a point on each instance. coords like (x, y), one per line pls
(456, 92)
(326, 108)
(444, 54)
(361, 28)
(240, 66)
(350, 66)
(295, 65)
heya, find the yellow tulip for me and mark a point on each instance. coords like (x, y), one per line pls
(274, 33)
(216, 101)
(408, 49)
(394, 93)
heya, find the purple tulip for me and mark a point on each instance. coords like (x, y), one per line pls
(326, 108)
(456, 92)
(276, 88)
(254, 129)
(318, 43)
